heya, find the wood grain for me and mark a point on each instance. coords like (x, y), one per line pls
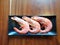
(28, 7)
(4, 6)
(33, 7)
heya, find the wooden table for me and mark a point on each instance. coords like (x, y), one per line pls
(28, 7)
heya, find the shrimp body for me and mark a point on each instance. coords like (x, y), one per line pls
(46, 23)
(24, 25)
(34, 24)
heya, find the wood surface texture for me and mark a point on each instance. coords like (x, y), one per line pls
(28, 7)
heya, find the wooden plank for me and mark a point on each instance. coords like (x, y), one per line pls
(13, 7)
(57, 7)
(4, 19)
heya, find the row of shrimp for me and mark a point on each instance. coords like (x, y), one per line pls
(35, 24)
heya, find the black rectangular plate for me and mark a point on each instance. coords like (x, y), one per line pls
(12, 24)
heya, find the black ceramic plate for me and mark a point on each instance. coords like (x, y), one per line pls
(12, 32)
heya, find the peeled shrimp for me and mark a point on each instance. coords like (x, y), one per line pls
(46, 23)
(34, 24)
(24, 25)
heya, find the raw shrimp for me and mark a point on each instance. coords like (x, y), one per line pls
(24, 25)
(46, 23)
(34, 24)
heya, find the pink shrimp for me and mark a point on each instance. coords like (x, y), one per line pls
(46, 23)
(34, 24)
(24, 25)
